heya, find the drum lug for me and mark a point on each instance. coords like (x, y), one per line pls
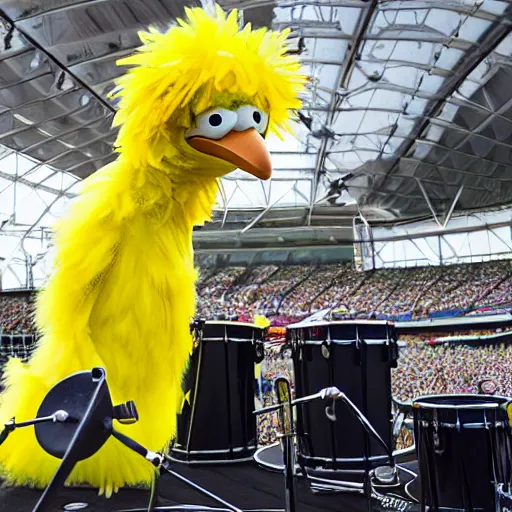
(326, 350)
(302, 348)
(259, 351)
(436, 439)
(457, 425)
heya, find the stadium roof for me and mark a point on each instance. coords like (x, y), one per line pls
(409, 111)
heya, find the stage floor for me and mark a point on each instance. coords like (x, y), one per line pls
(246, 486)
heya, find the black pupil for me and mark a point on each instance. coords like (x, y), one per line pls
(257, 117)
(215, 119)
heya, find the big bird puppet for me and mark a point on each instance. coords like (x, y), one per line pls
(195, 104)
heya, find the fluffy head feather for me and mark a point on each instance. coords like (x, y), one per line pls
(199, 64)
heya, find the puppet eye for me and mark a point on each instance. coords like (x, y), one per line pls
(214, 124)
(251, 117)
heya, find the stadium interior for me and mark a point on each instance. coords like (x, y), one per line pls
(389, 211)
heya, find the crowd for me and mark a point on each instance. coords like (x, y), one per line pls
(16, 314)
(292, 292)
(451, 368)
(299, 290)
(275, 364)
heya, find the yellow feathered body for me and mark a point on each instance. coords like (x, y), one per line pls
(122, 294)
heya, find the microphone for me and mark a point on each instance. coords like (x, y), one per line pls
(334, 394)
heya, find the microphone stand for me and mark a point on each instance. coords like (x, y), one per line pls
(334, 394)
(59, 416)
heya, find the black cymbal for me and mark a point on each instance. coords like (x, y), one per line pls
(78, 394)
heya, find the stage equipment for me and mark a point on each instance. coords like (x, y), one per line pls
(387, 475)
(357, 357)
(463, 443)
(503, 499)
(76, 419)
(216, 423)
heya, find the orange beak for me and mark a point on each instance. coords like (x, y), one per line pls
(246, 150)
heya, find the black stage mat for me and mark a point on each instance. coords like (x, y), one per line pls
(246, 486)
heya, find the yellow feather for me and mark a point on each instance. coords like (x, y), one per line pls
(122, 291)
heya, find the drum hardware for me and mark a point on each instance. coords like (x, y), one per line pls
(78, 433)
(398, 423)
(435, 426)
(326, 351)
(197, 325)
(284, 398)
(285, 408)
(383, 476)
(58, 416)
(503, 499)
(402, 419)
(259, 351)
(76, 506)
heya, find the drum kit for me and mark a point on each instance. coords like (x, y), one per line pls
(336, 424)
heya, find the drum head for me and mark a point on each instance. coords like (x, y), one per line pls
(462, 399)
(467, 407)
(83, 395)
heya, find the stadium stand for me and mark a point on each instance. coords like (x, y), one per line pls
(293, 292)
(296, 291)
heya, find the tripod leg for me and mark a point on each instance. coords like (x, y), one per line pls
(58, 480)
(167, 467)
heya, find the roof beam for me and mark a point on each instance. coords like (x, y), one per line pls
(492, 38)
(31, 184)
(55, 10)
(446, 5)
(427, 199)
(458, 44)
(462, 171)
(266, 210)
(457, 101)
(452, 207)
(388, 63)
(55, 61)
(506, 106)
(344, 74)
(35, 126)
(285, 4)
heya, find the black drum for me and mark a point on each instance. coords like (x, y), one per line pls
(463, 448)
(216, 423)
(356, 357)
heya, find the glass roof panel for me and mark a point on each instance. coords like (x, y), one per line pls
(419, 88)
